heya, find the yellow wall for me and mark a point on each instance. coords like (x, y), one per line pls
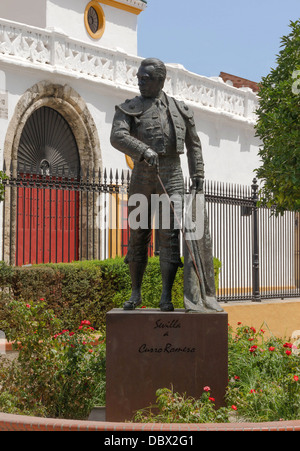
(279, 317)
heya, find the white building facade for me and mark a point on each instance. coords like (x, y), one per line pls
(78, 58)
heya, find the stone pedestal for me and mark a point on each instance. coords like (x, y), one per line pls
(148, 349)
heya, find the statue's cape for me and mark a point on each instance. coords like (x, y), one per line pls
(199, 277)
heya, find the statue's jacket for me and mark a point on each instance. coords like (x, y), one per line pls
(137, 126)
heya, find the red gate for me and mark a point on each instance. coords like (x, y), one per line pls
(47, 225)
(47, 207)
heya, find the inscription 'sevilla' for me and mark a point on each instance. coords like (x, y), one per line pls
(172, 324)
(168, 348)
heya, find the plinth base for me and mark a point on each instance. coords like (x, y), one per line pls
(148, 350)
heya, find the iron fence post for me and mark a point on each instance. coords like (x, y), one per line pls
(256, 297)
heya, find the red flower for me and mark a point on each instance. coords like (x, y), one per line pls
(211, 399)
(236, 377)
(252, 390)
(253, 330)
(234, 407)
(296, 378)
(288, 352)
(288, 345)
(28, 305)
(71, 334)
(206, 388)
(253, 348)
(85, 322)
(271, 348)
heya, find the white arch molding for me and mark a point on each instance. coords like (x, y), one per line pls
(65, 100)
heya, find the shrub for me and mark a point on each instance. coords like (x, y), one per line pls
(75, 291)
(263, 376)
(176, 408)
(58, 373)
(277, 127)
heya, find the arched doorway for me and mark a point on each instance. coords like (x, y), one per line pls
(70, 109)
(47, 228)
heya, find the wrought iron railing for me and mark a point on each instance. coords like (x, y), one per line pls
(62, 217)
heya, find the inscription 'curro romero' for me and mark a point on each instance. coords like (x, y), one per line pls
(168, 348)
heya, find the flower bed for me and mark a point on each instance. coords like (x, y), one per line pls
(60, 373)
(263, 375)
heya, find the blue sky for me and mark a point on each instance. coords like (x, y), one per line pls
(209, 36)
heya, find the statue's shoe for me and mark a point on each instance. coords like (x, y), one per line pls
(132, 303)
(166, 307)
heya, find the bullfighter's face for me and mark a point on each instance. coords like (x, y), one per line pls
(150, 85)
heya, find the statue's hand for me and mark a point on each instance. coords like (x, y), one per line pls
(151, 157)
(197, 184)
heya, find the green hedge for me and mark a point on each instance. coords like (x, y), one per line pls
(87, 289)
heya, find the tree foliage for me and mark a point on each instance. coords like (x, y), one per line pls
(278, 127)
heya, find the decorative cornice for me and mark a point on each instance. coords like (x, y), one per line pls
(51, 51)
(132, 6)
